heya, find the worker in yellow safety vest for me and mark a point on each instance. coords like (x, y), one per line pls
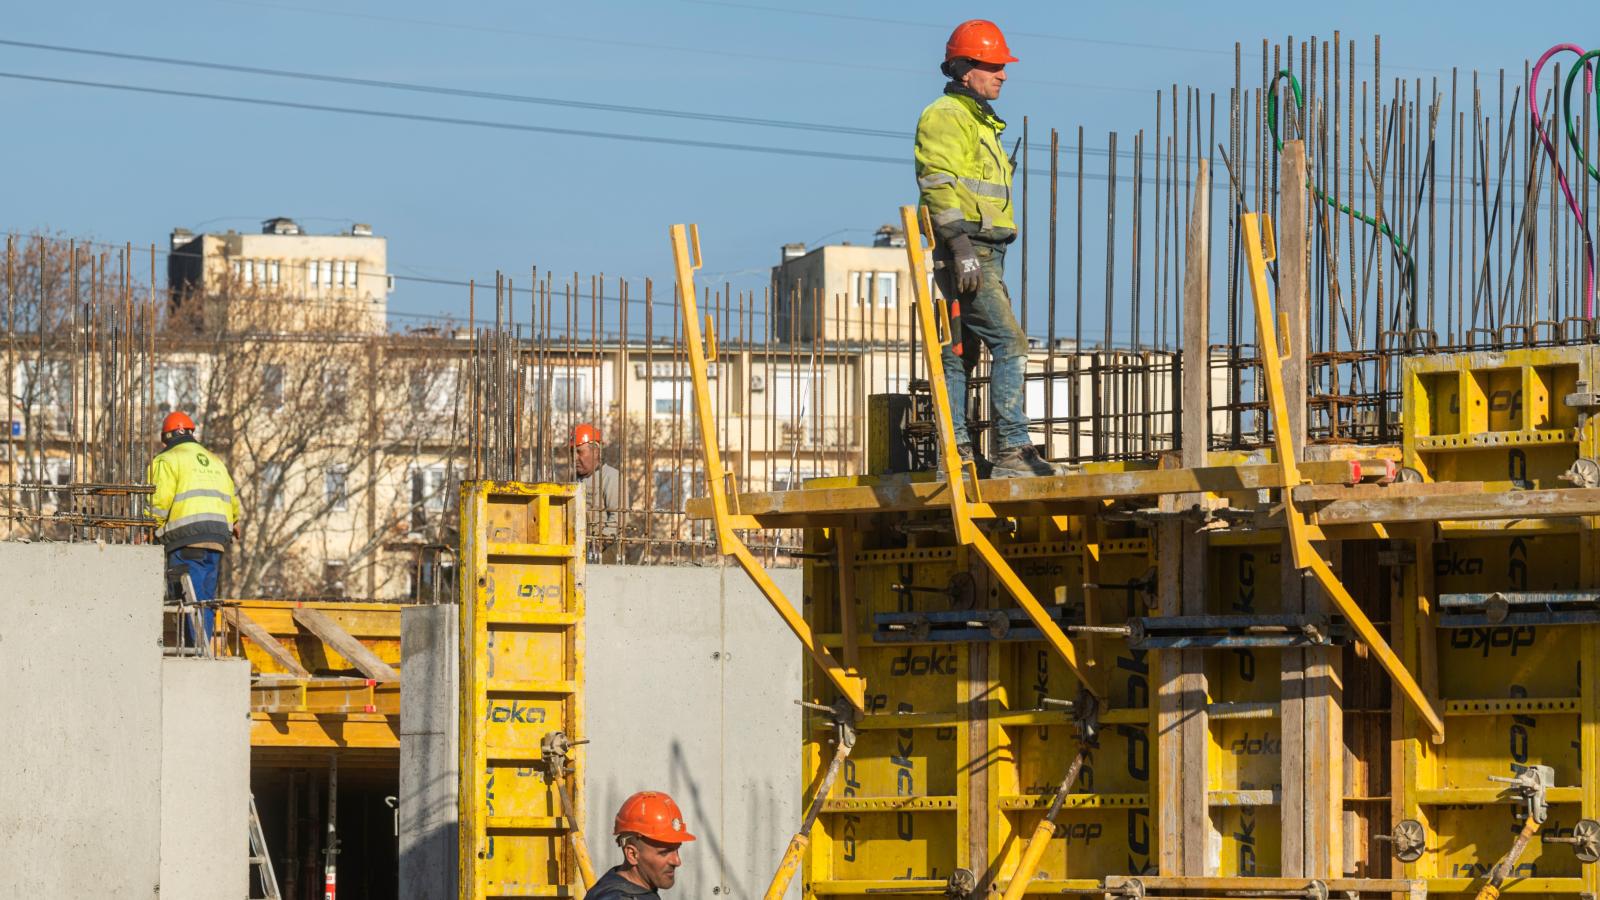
(964, 175)
(195, 507)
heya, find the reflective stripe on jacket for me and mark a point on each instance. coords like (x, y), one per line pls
(194, 501)
(962, 170)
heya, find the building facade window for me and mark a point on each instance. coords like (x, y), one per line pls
(269, 483)
(272, 387)
(667, 397)
(177, 387)
(880, 289)
(335, 487)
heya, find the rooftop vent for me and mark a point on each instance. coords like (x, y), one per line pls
(889, 236)
(361, 229)
(793, 251)
(181, 236)
(280, 225)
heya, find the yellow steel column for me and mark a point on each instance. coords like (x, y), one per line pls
(967, 531)
(1257, 254)
(847, 681)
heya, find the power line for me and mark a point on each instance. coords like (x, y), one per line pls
(639, 45)
(414, 87)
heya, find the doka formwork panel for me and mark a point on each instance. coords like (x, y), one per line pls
(522, 608)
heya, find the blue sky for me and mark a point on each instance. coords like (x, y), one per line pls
(458, 201)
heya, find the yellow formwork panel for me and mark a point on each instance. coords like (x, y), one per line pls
(951, 723)
(1515, 695)
(522, 667)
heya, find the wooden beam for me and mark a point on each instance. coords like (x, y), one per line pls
(1443, 506)
(314, 621)
(257, 635)
(899, 494)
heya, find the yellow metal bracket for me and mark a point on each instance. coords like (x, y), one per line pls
(967, 531)
(686, 240)
(1260, 248)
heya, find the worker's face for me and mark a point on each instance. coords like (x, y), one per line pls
(985, 80)
(586, 458)
(655, 863)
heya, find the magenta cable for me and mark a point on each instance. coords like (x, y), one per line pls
(1555, 163)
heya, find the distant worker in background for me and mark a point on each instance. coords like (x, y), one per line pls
(649, 829)
(964, 175)
(195, 507)
(601, 484)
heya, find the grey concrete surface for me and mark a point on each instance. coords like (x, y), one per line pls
(429, 743)
(689, 680)
(205, 778)
(80, 699)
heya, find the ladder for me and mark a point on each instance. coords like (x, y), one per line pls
(260, 859)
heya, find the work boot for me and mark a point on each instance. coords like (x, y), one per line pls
(1023, 462)
(969, 455)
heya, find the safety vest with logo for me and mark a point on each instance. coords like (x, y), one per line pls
(962, 170)
(194, 501)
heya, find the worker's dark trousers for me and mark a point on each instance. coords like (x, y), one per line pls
(203, 566)
(985, 318)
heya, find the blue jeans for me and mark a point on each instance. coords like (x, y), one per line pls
(986, 317)
(203, 575)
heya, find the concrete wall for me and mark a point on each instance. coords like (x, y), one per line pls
(689, 680)
(429, 742)
(205, 778)
(80, 699)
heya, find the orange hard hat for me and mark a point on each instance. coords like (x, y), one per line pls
(978, 39)
(585, 434)
(176, 421)
(652, 814)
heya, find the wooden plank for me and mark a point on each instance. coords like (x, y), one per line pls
(899, 494)
(1554, 503)
(1192, 812)
(348, 647)
(257, 635)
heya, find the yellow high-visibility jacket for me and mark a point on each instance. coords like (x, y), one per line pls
(194, 501)
(963, 172)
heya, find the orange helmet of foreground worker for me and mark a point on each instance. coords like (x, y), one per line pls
(585, 434)
(980, 40)
(177, 420)
(652, 814)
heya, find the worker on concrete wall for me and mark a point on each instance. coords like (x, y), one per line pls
(964, 175)
(649, 829)
(195, 507)
(601, 484)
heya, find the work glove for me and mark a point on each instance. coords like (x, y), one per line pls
(969, 273)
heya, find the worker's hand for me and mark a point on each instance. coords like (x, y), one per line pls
(236, 534)
(969, 273)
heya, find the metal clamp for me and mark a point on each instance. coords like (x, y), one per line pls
(1529, 785)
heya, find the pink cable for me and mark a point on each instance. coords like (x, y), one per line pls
(1555, 163)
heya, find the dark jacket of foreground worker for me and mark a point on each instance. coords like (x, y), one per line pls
(194, 502)
(612, 886)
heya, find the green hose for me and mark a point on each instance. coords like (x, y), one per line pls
(1277, 143)
(1566, 104)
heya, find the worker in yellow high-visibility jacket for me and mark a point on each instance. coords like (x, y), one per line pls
(195, 507)
(964, 175)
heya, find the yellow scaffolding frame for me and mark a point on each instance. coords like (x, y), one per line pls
(846, 679)
(1261, 248)
(962, 509)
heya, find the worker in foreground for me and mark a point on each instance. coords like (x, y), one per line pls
(649, 829)
(195, 507)
(964, 175)
(601, 484)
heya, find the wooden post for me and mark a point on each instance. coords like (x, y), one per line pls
(1181, 698)
(1312, 738)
